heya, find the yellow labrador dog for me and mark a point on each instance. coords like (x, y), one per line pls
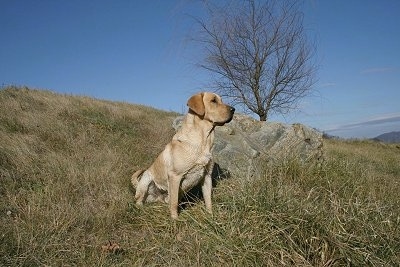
(186, 161)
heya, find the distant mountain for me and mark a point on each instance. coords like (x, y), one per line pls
(392, 137)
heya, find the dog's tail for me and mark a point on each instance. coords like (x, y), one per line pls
(136, 177)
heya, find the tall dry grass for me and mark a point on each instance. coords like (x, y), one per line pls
(65, 164)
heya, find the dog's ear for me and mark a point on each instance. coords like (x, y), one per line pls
(196, 104)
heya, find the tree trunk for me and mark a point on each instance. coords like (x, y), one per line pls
(263, 117)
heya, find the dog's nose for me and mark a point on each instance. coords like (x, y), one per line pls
(232, 109)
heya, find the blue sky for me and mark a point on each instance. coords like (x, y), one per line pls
(137, 52)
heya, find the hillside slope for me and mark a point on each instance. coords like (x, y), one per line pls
(392, 137)
(65, 164)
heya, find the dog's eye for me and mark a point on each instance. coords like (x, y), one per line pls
(214, 100)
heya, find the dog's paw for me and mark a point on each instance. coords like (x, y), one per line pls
(174, 215)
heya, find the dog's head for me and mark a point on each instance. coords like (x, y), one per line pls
(209, 106)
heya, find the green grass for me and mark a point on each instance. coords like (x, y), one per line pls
(65, 165)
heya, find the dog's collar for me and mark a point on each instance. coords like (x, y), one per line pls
(211, 130)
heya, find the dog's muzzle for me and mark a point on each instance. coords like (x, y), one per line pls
(232, 111)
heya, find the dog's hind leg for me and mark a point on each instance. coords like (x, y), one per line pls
(142, 187)
(136, 178)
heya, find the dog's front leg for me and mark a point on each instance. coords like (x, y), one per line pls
(206, 187)
(174, 181)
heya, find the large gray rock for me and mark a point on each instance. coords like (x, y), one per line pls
(244, 144)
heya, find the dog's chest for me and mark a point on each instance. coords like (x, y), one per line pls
(193, 177)
(198, 156)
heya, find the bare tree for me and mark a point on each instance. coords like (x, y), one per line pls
(259, 54)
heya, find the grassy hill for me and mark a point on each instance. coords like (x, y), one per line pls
(65, 165)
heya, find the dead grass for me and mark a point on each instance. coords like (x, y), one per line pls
(65, 164)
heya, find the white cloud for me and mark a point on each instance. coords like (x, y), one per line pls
(378, 122)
